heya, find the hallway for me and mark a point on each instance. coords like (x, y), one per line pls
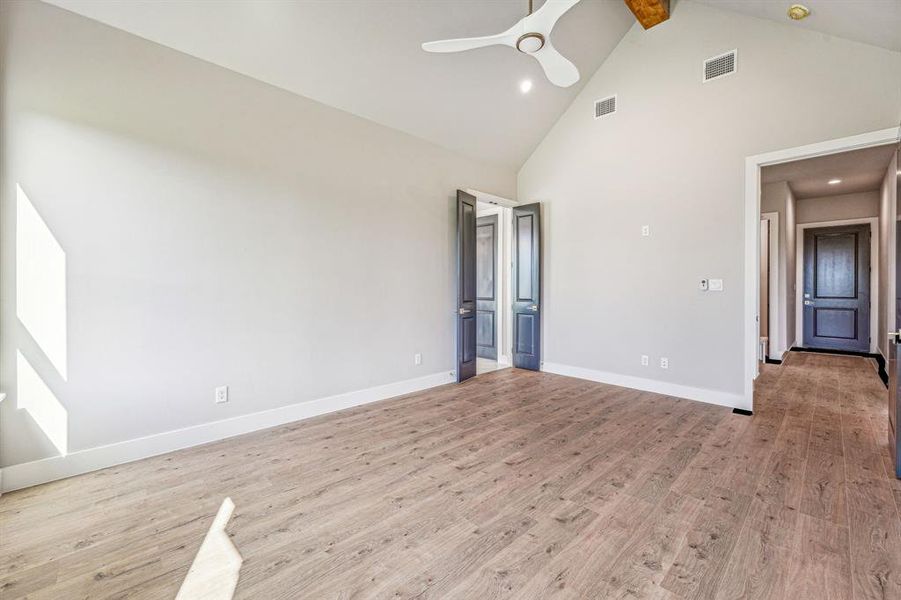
(830, 470)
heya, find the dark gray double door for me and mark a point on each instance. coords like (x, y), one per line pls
(477, 301)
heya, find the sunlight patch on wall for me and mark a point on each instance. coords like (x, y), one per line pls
(40, 282)
(38, 400)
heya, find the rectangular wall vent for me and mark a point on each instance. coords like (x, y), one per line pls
(604, 107)
(720, 66)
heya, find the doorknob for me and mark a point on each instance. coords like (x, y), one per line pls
(464, 311)
(533, 307)
(808, 303)
(894, 336)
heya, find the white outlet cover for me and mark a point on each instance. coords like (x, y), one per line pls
(417, 359)
(644, 360)
(664, 363)
(716, 285)
(221, 394)
(645, 230)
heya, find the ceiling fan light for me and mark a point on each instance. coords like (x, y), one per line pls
(529, 43)
(525, 86)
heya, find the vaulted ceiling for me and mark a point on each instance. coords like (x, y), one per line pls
(364, 56)
(874, 22)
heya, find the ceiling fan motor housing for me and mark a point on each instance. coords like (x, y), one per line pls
(529, 43)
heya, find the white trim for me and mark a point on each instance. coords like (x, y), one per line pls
(752, 226)
(491, 198)
(650, 385)
(776, 326)
(874, 274)
(91, 459)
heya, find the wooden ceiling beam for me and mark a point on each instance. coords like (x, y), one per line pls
(649, 12)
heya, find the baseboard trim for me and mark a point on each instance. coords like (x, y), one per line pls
(651, 385)
(28, 474)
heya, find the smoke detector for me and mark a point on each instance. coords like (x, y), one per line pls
(796, 12)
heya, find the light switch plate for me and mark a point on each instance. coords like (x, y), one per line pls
(716, 285)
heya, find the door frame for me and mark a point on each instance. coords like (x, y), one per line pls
(873, 222)
(775, 345)
(753, 165)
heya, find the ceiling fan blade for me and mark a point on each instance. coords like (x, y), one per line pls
(559, 70)
(544, 19)
(506, 38)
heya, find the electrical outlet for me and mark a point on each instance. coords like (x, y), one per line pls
(221, 394)
(664, 363)
(644, 360)
(645, 230)
(417, 359)
(703, 285)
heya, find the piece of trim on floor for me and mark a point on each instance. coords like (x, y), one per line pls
(92, 459)
(650, 385)
(741, 411)
(880, 360)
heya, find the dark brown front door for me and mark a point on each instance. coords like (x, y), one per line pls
(837, 288)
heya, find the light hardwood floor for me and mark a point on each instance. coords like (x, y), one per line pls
(513, 485)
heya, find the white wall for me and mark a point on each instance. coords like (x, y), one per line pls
(837, 208)
(778, 197)
(215, 231)
(673, 157)
(888, 214)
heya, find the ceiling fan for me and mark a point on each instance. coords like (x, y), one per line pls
(532, 36)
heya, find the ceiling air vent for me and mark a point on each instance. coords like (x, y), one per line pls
(720, 66)
(604, 107)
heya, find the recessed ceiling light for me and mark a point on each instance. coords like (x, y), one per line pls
(834, 181)
(796, 12)
(525, 85)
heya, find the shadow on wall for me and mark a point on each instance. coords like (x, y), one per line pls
(41, 309)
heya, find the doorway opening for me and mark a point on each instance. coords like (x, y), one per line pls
(498, 256)
(836, 253)
(493, 274)
(820, 185)
(819, 253)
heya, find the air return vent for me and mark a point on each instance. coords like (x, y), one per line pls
(720, 66)
(604, 107)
